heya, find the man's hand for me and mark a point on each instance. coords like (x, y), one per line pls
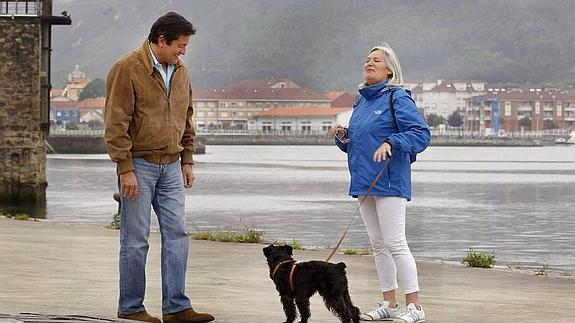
(188, 173)
(129, 185)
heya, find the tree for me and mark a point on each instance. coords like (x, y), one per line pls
(95, 124)
(549, 124)
(71, 125)
(433, 120)
(455, 119)
(525, 122)
(95, 89)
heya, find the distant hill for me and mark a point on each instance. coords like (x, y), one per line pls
(322, 43)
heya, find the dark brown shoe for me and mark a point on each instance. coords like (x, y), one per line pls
(140, 316)
(188, 316)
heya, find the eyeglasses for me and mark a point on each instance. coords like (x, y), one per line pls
(341, 136)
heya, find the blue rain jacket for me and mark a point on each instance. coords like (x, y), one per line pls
(370, 125)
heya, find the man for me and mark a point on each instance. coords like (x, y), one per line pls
(150, 136)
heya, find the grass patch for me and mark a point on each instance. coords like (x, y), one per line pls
(296, 245)
(116, 223)
(247, 235)
(361, 252)
(350, 251)
(366, 252)
(542, 271)
(17, 216)
(479, 259)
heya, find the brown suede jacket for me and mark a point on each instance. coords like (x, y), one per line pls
(142, 119)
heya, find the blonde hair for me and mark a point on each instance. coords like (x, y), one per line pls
(392, 63)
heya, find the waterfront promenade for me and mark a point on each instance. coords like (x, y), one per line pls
(54, 268)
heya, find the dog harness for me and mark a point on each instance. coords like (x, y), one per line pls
(291, 273)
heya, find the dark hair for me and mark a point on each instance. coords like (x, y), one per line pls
(171, 26)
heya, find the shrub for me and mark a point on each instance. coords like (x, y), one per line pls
(247, 235)
(542, 271)
(479, 259)
(296, 245)
(350, 251)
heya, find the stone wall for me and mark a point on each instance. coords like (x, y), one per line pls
(22, 148)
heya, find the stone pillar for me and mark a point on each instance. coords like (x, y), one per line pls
(22, 147)
(24, 86)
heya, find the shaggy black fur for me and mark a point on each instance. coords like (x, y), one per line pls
(327, 279)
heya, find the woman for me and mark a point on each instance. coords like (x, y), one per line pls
(379, 138)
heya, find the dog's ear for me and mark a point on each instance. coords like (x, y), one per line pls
(267, 250)
(289, 249)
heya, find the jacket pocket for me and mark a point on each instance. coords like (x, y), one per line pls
(150, 135)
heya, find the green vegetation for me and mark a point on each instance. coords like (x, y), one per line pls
(96, 88)
(296, 245)
(115, 224)
(17, 216)
(350, 251)
(479, 259)
(247, 235)
(542, 271)
(361, 252)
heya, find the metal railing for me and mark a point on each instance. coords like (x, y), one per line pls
(303, 133)
(20, 8)
(76, 133)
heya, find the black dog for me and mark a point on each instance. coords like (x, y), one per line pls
(298, 281)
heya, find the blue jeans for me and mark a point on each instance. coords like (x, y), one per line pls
(160, 186)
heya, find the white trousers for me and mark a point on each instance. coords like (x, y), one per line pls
(384, 219)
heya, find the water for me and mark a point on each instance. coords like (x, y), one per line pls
(516, 202)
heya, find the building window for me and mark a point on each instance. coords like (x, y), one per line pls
(199, 104)
(286, 126)
(200, 114)
(306, 126)
(537, 107)
(559, 109)
(266, 126)
(507, 108)
(326, 125)
(224, 114)
(210, 113)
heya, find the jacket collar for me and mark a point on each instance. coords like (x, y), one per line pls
(145, 51)
(372, 91)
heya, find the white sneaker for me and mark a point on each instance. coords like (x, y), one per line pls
(381, 313)
(411, 314)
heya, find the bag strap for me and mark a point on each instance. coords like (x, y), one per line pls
(392, 109)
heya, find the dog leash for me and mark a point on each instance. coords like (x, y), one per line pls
(358, 207)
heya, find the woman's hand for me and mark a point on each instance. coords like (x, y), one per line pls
(382, 153)
(334, 130)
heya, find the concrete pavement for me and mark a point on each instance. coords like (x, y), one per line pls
(54, 268)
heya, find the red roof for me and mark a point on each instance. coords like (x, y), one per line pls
(259, 84)
(444, 87)
(332, 95)
(523, 95)
(259, 94)
(345, 100)
(63, 104)
(301, 112)
(91, 103)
